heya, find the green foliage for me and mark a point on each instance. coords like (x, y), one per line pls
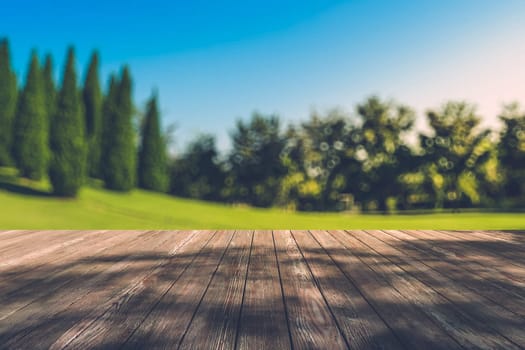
(92, 98)
(511, 150)
(256, 166)
(320, 161)
(453, 153)
(197, 174)
(30, 148)
(152, 162)
(381, 150)
(49, 88)
(333, 161)
(68, 146)
(8, 95)
(118, 160)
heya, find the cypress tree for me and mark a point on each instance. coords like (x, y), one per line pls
(119, 151)
(68, 145)
(108, 114)
(92, 97)
(8, 95)
(49, 87)
(30, 147)
(152, 167)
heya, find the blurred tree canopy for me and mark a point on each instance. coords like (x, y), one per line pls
(197, 173)
(511, 150)
(67, 139)
(31, 126)
(369, 159)
(454, 154)
(255, 165)
(8, 96)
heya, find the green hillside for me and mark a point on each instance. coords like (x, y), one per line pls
(23, 208)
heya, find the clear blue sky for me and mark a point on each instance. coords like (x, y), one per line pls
(216, 61)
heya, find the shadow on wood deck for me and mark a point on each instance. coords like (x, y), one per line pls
(262, 289)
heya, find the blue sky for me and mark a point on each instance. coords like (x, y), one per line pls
(216, 61)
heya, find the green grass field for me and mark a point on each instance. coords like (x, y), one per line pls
(99, 209)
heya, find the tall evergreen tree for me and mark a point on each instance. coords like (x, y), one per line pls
(93, 112)
(119, 146)
(68, 145)
(8, 95)
(30, 147)
(152, 167)
(49, 87)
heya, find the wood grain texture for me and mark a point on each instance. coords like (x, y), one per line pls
(389, 289)
(502, 287)
(168, 321)
(402, 316)
(311, 323)
(360, 324)
(464, 328)
(216, 320)
(465, 249)
(93, 281)
(118, 317)
(263, 323)
(482, 309)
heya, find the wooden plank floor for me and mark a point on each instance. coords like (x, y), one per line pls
(262, 290)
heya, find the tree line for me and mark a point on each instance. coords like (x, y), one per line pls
(66, 132)
(338, 161)
(332, 161)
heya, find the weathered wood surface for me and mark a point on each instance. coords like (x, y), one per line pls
(262, 289)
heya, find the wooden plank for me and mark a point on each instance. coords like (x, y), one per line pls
(489, 284)
(511, 250)
(360, 324)
(15, 236)
(312, 325)
(166, 324)
(263, 319)
(481, 310)
(463, 328)
(33, 268)
(118, 315)
(263, 322)
(492, 265)
(7, 235)
(491, 235)
(512, 236)
(24, 286)
(31, 244)
(414, 329)
(109, 276)
(215, 323)
(494, 257)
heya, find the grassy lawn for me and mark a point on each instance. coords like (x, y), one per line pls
(99, 209)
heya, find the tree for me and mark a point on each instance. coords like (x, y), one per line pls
(197, 173)
(256, 160)
(152, 162)
(320, 162)
(67, 139)
(92, 98)
(31, 128)
(49, 88)
(453, 154)
(511, 152)
(119, 146)
(381, 150)
(8, 95)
